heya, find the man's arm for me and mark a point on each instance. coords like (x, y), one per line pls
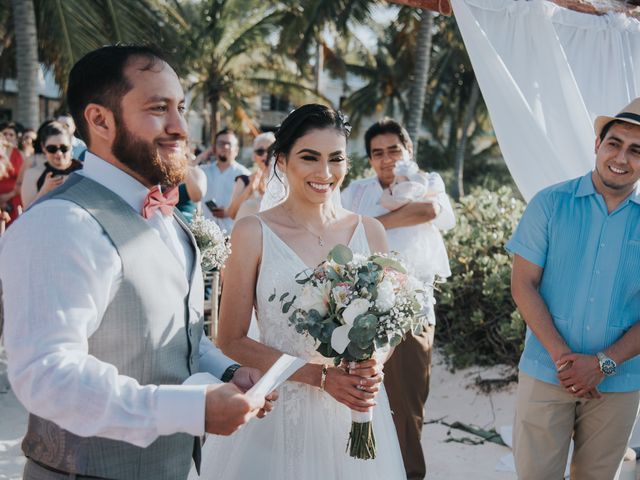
(525, 280)
(445, 219)
(627, 347)
(53, 301)
(585, 373)
(412, 213)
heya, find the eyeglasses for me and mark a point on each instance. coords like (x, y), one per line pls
(260, 151)
(55, 148)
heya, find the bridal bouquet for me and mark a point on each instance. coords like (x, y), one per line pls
(352, 305)
(213, 243)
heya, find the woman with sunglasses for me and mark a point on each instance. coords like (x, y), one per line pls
(55, 142)
(248, 190)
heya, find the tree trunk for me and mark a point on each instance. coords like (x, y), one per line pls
(215, 117)
(458, 187)
(319, 66)
(420, 77)
(24, 19)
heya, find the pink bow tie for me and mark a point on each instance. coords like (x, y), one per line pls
(155, 200)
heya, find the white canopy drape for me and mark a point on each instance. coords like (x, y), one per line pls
(545, 73)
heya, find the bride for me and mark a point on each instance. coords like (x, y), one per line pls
(305, 436)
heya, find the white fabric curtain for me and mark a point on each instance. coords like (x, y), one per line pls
(545, 73)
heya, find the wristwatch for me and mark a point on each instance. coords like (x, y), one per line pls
(230, 372)
(607, 365)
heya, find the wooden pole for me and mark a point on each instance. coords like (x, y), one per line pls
(215, 290)
(584, 6)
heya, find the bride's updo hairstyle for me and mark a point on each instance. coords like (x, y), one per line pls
(304, 119)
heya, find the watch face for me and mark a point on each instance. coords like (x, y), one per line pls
(608, 367)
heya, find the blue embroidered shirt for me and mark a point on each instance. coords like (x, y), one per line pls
(591, 277)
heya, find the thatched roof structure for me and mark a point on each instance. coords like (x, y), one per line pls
(597, 7)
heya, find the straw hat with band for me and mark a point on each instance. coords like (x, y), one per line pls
(629, 114)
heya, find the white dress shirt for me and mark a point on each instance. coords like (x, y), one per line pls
(219, 189)
(59, 272)
(363, 197)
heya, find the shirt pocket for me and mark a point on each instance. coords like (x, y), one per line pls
(625, 305)
(561, 323)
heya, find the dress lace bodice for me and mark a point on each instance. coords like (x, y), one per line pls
(279, 267)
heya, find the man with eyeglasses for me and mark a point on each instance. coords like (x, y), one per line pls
(409, 369)
(221, 177)
(248, 190)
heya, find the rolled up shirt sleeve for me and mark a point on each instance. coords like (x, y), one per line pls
(56, 286)
(446, 219)
(530, 239)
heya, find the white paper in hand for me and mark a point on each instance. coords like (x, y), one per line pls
(279, 372)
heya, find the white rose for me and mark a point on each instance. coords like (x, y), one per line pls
(314, 298)
(340, 336)
(386, 298)
(355, 308)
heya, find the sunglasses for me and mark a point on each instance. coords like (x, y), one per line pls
(260, 151)
(55, 148)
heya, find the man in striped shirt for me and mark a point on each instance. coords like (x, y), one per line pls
(575, 280)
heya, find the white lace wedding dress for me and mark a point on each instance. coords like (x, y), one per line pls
(305, 436)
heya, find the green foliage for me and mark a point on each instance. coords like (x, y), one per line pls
(69, 29)
(359, 167)
(478, 323)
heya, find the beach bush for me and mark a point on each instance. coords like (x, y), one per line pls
(478, 323)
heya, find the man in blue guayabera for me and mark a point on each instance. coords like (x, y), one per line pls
(576, 282)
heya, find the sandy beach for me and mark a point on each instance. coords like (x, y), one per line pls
(454, 398)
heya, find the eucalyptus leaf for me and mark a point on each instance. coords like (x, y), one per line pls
(325, 350)
(341, 254)
(395, 340)
(359, 353)
(326, 331)
(385, 262)
(287, 306)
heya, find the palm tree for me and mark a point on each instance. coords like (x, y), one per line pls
(455, 113)
(24, 21)
(65, 30)
(306, 21)
(227, 51)
(383, 71)
(420, 76)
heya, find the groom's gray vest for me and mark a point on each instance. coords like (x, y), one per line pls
(150, 331)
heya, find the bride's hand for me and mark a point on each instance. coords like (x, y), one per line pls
(354, 390)
(366, 368)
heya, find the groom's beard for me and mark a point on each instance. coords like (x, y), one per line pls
(145, 158)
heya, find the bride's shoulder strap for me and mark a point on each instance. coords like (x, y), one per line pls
(375, 234)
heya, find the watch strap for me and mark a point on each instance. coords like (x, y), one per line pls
(230, 372)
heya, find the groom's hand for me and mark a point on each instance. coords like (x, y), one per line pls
(227, 408)
(245, 378)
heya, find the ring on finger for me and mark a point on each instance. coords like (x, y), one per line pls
(573, 389)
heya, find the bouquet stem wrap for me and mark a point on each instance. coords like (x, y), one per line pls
(362, 441)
